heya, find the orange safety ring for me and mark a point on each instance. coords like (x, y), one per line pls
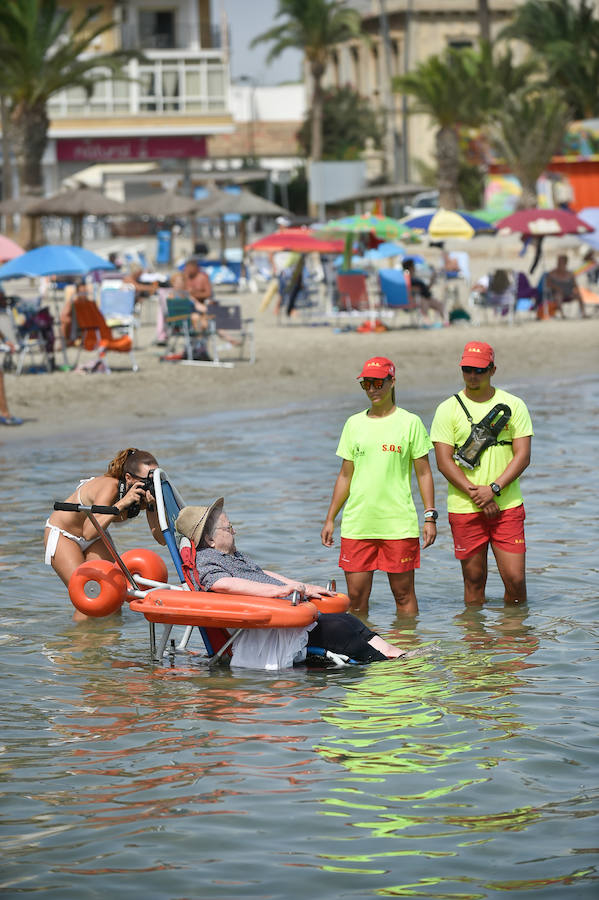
(97, 588)
(207, 608)
(146, 563)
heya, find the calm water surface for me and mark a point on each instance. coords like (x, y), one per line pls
(468, 773)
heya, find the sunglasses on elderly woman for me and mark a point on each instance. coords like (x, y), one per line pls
(375, 383)
(468, 370)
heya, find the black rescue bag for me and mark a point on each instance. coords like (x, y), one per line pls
(483, 434)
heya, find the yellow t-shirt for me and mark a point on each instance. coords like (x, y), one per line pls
(380, 504)
(450, 426)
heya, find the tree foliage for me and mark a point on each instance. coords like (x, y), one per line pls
(43, 51)
(348, 121)
(313, 26)
(565, 36)
(527, 132)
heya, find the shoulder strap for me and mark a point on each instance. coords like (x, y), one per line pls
(187, 551)
(459, 399)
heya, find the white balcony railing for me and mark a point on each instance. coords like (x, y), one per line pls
(183, 85)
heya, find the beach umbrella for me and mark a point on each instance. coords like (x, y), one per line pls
(383, 227)
(8, 249)
(75, 204)
(296, 240)
(243, 203)
(590, 215)
(542, 223)
(163, 205)
(386, 250)
(54, 259)
(16, 205)
(448, 223)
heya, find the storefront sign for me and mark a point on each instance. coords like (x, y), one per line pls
(96, 150)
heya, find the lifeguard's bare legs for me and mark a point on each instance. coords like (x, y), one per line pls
(512, 569)
(359, 586)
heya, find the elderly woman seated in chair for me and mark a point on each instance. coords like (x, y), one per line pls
(220, 567)
(561, 287)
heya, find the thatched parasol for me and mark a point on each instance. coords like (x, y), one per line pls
(76, 204)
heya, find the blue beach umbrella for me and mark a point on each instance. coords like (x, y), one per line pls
(54, 259)
(386, 250)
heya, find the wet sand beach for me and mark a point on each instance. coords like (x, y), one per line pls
(300, 363)
(295, 363)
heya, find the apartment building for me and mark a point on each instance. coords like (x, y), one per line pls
(416, 29)
(173, 102)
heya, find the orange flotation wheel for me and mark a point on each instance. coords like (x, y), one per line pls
(146, 563)
(97, 588)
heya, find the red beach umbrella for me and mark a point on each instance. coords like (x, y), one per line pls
(542, 223)
(298, 240)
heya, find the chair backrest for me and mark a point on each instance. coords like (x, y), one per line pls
(7, 326)
(117, 301)
(462, 258)
(353, 290)
(395, 287)
(168, 504)
(227, 316)
(524, 288)
(178, 308)
(91, 322)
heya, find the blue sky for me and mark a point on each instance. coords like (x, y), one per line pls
(247, 18)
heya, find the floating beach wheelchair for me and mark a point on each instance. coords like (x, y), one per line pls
(140, 577)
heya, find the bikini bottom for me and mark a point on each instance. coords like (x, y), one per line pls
(54, 535)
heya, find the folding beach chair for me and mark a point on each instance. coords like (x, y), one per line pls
(168, 505)
(96, 336)
(396, 293)
(20, 344)
(117, 305)
(229, 323)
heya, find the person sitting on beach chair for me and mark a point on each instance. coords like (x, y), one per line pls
(421, 292)
(219, 566)
(561, 287)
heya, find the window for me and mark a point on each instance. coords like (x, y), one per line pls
(157, 29)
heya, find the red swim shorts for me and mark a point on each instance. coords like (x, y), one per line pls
(371, 553)
(473, 531)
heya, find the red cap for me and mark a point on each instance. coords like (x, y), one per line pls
(477, 354)
(377, 367)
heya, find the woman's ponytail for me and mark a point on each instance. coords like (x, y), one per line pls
(129, 461)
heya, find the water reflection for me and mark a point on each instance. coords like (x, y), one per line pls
(465, 773)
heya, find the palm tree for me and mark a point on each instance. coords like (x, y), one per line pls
(461, 89)
(566, 36)
(313, 26)
(484, 20)
(445, 88)
(527, 132)
(41, 52)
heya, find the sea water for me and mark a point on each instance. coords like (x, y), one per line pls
(470, 772)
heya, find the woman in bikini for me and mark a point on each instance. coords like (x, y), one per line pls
(70, 537)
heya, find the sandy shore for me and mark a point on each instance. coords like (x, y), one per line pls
(296, 363)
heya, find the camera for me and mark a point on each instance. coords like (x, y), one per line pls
(148, 483)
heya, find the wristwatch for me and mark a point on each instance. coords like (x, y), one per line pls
(431, 514)
(495, 488)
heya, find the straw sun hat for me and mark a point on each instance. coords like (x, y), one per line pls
(191, 521)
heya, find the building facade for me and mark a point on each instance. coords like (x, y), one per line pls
(171, 104)
(402, 34)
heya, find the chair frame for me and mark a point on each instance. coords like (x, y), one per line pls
(24, 345)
